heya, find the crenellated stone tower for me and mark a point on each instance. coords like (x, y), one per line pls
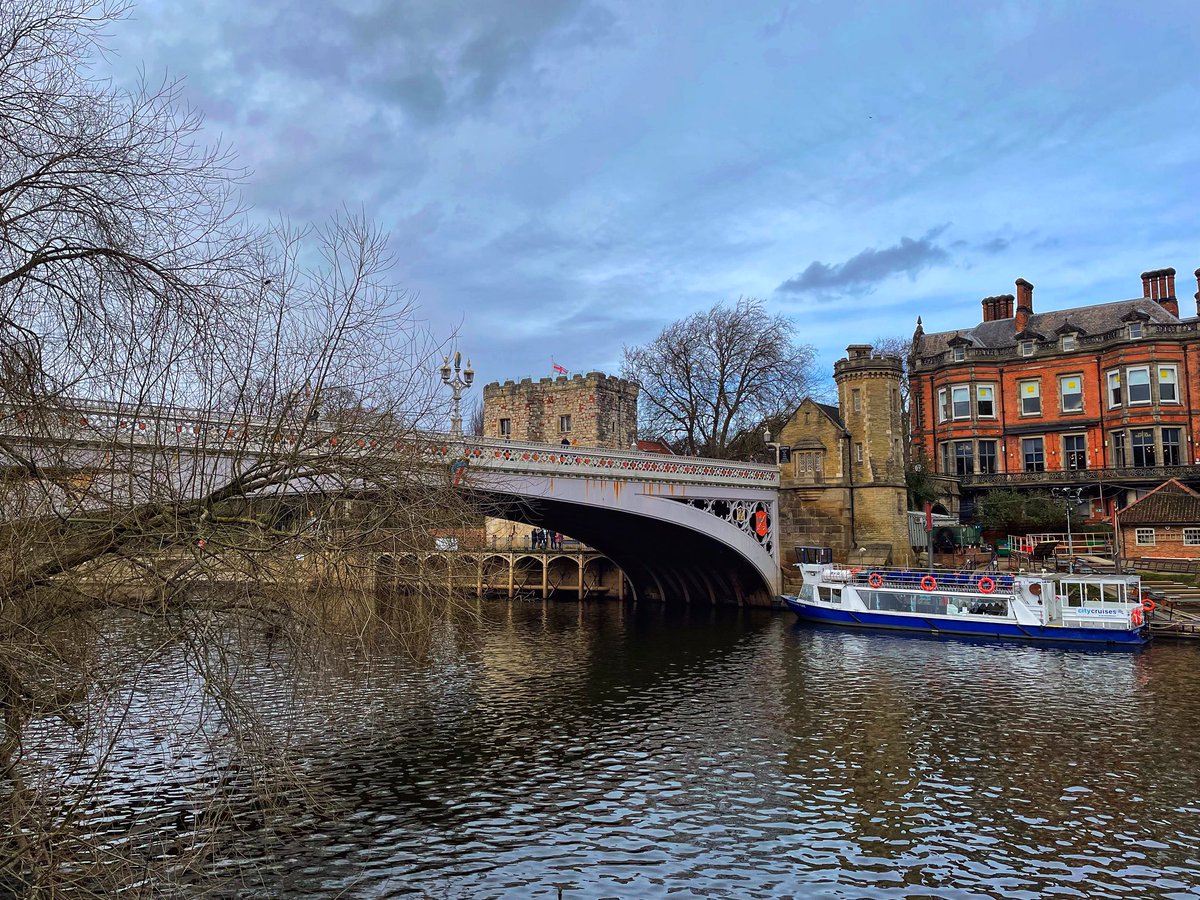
(869, 399)
(592, 410)
(843, 486)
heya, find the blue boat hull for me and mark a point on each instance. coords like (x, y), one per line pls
(970, 627)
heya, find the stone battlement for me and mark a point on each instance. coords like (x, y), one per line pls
(592, 410)
(553, 379)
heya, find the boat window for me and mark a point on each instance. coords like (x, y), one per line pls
(993, 606)
(887, 601)
(1110, 593)
(934, 604)
(1073, 593)
(806, 592)
(830, 594)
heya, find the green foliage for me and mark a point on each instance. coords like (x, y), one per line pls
(1018, 512)
(921, 486)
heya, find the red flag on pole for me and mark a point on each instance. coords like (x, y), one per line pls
(559, 370)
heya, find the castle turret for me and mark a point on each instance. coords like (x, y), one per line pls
(869, 401)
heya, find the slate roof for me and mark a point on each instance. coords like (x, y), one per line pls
(1169, 502)
(833, 412)
(1095, 319)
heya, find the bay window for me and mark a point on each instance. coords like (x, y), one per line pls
(1119, 460)
(1168, 384)
(1114, 389)
(1171, 451)
(1139, 384)
(960, 400)
(985, 401)
(1141, 442)
(964, 459)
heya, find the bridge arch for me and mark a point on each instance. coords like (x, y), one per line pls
(667, 550)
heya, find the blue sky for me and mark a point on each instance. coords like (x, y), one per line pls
(562, 177)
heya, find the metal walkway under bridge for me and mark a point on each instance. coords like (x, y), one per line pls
(681, 528)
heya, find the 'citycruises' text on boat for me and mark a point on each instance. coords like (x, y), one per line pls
(1085, 608)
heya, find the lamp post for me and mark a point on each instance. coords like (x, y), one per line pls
(1071, 497)
(460, 381)
(773, 445)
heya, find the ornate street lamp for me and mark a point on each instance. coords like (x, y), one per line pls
(460, 381)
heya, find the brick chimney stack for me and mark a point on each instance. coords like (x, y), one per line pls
(1024, 305)
(1198, 292)
(999, 307)
(1159, 285)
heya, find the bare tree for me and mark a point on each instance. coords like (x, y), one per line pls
(710, 379)
(475, 423)
(206, 429)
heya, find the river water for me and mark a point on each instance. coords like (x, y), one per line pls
(604, 750)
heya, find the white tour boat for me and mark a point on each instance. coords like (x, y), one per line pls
(1039, 606)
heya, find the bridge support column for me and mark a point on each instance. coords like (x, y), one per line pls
(579, 559)
(545, 578)
(511, 567)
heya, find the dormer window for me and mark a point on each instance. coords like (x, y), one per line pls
(1135, 330)
(1068, 342)
(960, 353)
(1026, 348)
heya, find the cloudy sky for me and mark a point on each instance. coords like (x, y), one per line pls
(562, 177)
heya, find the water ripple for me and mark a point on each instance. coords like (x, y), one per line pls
(609, 752)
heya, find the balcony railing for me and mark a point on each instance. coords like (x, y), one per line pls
(1155, 474)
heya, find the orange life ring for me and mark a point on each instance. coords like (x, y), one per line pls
(987, 584)
(1147, 604)
(874, 579)
(1136, 616)
(929, 582)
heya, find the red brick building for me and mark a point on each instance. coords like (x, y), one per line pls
(1103, 397)
(1165, 524)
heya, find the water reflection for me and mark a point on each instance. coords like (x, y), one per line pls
(615, 752)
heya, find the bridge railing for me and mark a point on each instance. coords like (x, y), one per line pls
(603, 463)
(151, 425)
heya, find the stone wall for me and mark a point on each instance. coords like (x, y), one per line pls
(593, 410)
(602, 412)
(844, 486)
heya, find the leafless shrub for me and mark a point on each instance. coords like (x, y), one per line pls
(210, 439)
